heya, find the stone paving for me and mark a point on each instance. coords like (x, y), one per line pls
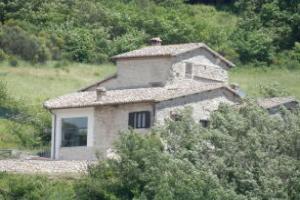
(43, 166)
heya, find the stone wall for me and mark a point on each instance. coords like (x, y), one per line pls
(77, 153)
(204, 67)
(137, 73)
(202, 104)
(110, 120)
(104, 126)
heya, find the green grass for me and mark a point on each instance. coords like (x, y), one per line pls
(34, 84)
(250, 78)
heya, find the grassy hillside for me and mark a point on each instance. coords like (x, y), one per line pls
(251, 78)
(30, 86)
(34, 84)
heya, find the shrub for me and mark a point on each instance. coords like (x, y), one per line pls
(14, 40)
(3, 93)
(13, 61)
(14, 186)
(244, 154)
(272, 90)
(3, 55)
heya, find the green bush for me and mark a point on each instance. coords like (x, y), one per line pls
(272, 90)
(244, 154)
(32, 187)
(3, 93)
(15, 40)
(13, 61)
(3, 55)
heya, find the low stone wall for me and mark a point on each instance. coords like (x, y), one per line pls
(44, 166)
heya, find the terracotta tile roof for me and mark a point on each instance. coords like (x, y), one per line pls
(154, 94)
(169, 50)
(274, 102)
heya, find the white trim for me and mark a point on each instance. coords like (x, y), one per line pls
(52, 136)
(69, 113)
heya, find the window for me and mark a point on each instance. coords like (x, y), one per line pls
(204, 123)
(188, 70)
(139, 119)
(74, 131)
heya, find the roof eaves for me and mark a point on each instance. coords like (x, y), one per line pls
(139, 57)
(98, 82)
(93, 104)
(230, 64)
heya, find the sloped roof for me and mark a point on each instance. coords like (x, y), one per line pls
(111, 97)
(169, 50)
(98, 82)
(275, 101)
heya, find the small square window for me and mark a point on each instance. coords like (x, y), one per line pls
(139, 119)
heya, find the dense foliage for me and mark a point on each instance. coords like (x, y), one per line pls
(244, 154)
(93, 30)
(26, 187)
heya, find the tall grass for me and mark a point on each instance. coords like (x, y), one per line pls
(251, 78)
(35, 83)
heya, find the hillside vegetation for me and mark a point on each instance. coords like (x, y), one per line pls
(244, 154)
(27, 87)
(260, 32)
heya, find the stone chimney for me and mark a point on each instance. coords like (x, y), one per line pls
(101, 91)
(235, 86)
(155, 41)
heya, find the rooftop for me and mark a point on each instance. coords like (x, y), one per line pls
(275, 101)
(111, 97)
(169, 50)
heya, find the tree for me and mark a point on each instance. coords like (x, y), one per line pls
(244, 154)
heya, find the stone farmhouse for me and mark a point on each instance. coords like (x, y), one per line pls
(150, 85)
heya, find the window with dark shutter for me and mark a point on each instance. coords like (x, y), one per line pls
(139, 119)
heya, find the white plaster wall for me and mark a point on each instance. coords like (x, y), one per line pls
(134, 73)
(202, 104)
(69, 153)
(110, 120)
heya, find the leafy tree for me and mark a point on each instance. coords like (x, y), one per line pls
(244, 154)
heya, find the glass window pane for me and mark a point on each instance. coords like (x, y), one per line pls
(74, 131)
(139, 119)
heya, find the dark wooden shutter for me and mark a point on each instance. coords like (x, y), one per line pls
(131, 120)
(148, 119)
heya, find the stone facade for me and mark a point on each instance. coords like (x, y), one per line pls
(194, 65)
(157, 71)
(202, 104)
(138, 73)
(110, 121)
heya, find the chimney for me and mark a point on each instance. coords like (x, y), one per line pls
(235, 86)
(155, 41)
(100, 91)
